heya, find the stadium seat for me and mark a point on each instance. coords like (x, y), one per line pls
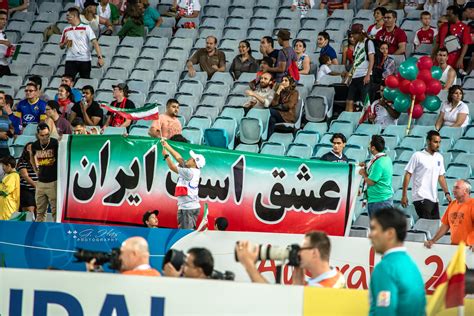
(200, 122)
(458, 171)
(271, 148)
(345, 128)
(307, 137)
(361, 141)
(20, 143)
(208, 111)
(139, 131)
(320, 150)
(453, 133)
(369, 129)
(416, 236)
(251, 148)
(111, 130)
(302, 151)
(230, 125)
(264, 116)
(321, 128)
(193, 134)
(356, 154)
(357, 231)
(464, 145)
(235, 112)
(251, 130)
(281, 138)
(428, 119)
(431, 226)
(216, 137)
(362, 220)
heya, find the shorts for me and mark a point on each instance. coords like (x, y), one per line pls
(187, 219)
(27, 198)
(357, 90)
(427, 209)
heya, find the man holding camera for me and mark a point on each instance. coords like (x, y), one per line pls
(199, 264)
(135, 257)
(313, 259)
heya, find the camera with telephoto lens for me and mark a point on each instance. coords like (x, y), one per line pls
(112, 258)
(226, 275)
(270, 252)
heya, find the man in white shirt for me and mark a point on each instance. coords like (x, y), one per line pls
(77, 40)
(4, 45)
(427, 169)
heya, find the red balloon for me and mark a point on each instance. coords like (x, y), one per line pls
(404, 86)
(424, 62)
(420, 98)
(399, 77)
(425, 75)
(434, 87)
(417, 111)
(392, 82)
(417, 86)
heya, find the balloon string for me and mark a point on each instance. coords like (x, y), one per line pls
(411, 115)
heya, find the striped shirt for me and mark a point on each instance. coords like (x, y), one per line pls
(31, 173)
(4, 127)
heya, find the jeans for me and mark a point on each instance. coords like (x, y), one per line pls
(187, 219)
(377, 206)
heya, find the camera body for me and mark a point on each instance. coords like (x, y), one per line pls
(270, 252)
(113, 258)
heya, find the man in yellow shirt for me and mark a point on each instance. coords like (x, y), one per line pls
(9, 189)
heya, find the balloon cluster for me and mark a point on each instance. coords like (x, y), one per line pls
(418, 79)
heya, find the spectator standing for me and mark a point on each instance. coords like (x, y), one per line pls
(6, 128)
(361, 71)
(28, 179)
(302, 59)
(379, 16)
(210, 59)
(57, 124)
(87, 109)
(65, 99)
(437, 8)
(267, 50)
(121, 101)
(426, 34)
(332, 5)
(244, 62)
(449, 76)
(133, 25)
(135, 258)
(303, 6)
(314, 257)
(4, 45)
(186, 8)
(167, 125)
(90, 17)
(348, 52)
(285, 57)
(283, 106)
(69, 81)
(77, 40)
(108, 11)
(392, 34)
(384, 66)
(427, 169)
(377, 176)
(9, 188)
(459, 216)
(263, 95)
(187, 187)
(29, 110)
(150, 219)
(45, 163)
(325, 48)
(396, 285)
(454, 112)
(455, 36)
(338, 141)
(151, 16)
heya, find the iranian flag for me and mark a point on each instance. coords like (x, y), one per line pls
(148, 112)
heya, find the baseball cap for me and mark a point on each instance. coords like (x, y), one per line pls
(199, 159)
(357, 28)
(147, 215)
(122, 86)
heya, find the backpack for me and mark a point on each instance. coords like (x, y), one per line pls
(292, 69)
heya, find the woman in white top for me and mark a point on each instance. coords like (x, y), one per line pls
(90, 17)
(379, 13)
(303, 60)
(454, 112)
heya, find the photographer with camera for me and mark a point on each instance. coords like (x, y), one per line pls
(133, 258)
(199, 264)
(312, 258)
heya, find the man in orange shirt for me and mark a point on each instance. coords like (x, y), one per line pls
(459, 216)
(135, 257)
(168, 124)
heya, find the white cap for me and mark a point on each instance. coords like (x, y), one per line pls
(199, 159)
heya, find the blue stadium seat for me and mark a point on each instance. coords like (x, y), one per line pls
(299, 151)
(230, 125)
(307, 137)
(193, 134)
(216, 137)
(251, 130)
(252, 148)
(264, 116)
(271, 148)
(281, 138)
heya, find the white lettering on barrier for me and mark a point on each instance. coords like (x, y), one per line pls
(353, 256)
(36, 292)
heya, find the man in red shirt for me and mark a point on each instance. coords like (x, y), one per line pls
(458, 29)
(393, 35)
(427, 33)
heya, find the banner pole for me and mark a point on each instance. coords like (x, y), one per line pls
(411, 115)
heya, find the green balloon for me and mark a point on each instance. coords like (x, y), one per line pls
(402, 103)
(412, 60)
(408, 69)
(431, 103)
(390, 94)
(436, 72)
